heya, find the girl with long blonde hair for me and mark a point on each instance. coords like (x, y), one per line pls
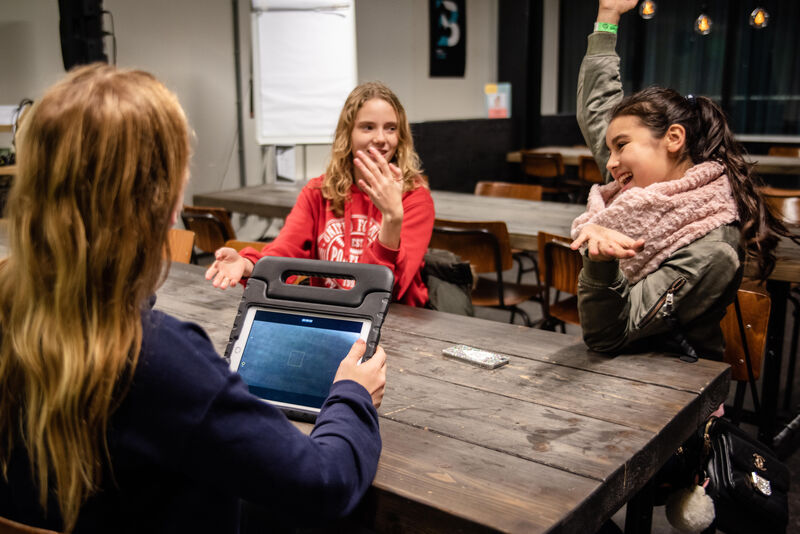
(115, 417)
(370, 206)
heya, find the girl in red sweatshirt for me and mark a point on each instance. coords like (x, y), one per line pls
(370, 206)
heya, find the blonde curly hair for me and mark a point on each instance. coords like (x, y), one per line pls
(339, 172)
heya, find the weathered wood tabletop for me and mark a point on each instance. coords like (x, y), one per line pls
(555, 441)
(524, 218)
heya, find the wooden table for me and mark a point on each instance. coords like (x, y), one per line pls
(524, 218)
(555, 441)
(763, 164)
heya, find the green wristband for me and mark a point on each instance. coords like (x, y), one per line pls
(605, 27)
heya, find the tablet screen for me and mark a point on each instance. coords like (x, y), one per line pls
(290, 358)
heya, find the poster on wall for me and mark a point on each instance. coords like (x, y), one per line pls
(448, 44)
(498, 100)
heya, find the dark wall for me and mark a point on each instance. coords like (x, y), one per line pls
(457, 154)
(559, 130)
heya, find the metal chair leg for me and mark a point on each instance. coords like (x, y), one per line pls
(790, 371)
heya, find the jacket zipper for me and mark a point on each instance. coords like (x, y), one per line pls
(667, 298)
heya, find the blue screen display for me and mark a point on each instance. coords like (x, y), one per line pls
(293, 358)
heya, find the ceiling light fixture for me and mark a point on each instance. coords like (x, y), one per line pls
(759, 18)
(647, 9)
(703, 23)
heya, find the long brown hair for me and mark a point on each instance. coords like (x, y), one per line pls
(708, 138)
(102, 160)
(339, 172)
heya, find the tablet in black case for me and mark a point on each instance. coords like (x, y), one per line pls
(288, 340)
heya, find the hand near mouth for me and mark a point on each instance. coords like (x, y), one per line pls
(383, 182)
(605, 244)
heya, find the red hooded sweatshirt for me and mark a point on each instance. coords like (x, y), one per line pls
(312, 231)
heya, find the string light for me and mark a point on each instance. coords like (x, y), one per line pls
(647, 9)
(759, 18)
(703, 23)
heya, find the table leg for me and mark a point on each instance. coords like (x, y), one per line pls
(639, 513)
(779, 292)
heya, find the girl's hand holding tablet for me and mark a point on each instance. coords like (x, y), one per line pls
(371, 374)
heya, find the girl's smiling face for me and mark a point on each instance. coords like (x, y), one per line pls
(639, 159)
(375, 125)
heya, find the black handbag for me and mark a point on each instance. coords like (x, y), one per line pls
(748, 484)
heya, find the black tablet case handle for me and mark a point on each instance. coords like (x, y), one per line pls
(369, 299)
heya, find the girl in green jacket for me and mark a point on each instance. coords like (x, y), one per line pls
(664, 241)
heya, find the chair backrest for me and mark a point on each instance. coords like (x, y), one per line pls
(484, 244)
(542, 164)
(8, 526)
(212, 226)
(509, 190)
(181, 245)
(559, 265)
(785, 208)
(769, 191)
(588, 171)
(239, 245)
(791, 151)
(755, 308)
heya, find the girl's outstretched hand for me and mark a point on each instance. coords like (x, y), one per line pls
(371, 374)
(383, 182)
(605, 244)
(610, 10)
(228, 268)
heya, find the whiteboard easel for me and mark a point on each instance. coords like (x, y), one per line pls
(304, 62)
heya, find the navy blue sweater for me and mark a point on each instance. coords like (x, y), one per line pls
(189, 440)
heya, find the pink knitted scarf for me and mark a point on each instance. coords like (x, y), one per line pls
(667, 215)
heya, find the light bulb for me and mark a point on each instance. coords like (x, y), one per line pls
(703, 24)
(759, 18)
(647, 9)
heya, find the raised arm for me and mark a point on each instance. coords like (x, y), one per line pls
(599, 83)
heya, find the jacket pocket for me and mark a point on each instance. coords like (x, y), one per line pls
(665, 299)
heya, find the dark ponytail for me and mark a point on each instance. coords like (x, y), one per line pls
(708, 138)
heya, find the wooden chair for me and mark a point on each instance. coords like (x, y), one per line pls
(547, 169)
(485, 245)
(769, 191)
(211, 225)
(509, 190)
(181, 245)
(239, 245)
(588, 174)
(559, 267)
(791, 151)
(746, 318)
(787, 208)
(8, 526)
(524, 192)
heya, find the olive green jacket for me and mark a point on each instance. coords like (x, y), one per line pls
(695, 284)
